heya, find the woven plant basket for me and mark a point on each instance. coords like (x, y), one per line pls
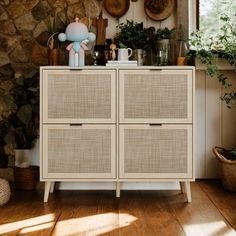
(5, 192)
(228, 170)
(26, 178)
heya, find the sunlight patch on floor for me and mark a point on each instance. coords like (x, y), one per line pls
(93, 225)
(215, 228)
(39, 222)
(36, 228)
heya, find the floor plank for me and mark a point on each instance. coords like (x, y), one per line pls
(201, 217)
(224, 200)
(27, 214)
(69, 213)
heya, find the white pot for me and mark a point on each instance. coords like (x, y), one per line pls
(22, 157)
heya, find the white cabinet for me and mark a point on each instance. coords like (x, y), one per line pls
(117, 124)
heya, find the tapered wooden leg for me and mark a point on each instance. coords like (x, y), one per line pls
(117, 189)
(46, 191)
(188, 191)
(52, 187)
(181, 187)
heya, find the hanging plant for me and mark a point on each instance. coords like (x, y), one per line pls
(208, 49)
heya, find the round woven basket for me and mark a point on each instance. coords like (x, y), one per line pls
(26, 178)
(228, 170)
(5, 192)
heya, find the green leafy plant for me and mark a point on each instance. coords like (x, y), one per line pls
(130, 35)
(23, 122)
(208, 49)
(165, 33)
(133, 35)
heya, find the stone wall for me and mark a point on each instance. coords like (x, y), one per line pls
(25, 26)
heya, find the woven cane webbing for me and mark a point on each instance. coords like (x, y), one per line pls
(155, 151)
(5, 192)
(155, 96)
(79, 151)
(79, 96)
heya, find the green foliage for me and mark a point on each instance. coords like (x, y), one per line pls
(165, 33)
(223, 45)
(210, 12)
(130, 35)
(134, 35)
(23, 122)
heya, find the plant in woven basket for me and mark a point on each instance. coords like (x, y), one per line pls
(227, 160)
(22, 126)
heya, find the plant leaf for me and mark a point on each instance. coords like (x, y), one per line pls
(25, 114)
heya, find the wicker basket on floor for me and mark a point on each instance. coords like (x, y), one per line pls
(228, 170)
(26, 178)
(5, 192)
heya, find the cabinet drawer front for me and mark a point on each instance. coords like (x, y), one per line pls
(79, 96)
(163, 152)
(148, 96)
(86, 151)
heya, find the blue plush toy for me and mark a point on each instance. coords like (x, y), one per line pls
(76, 32)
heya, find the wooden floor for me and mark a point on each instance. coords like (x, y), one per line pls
(211, 213)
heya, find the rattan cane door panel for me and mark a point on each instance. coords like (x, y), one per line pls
(163, 152)
(147, 96)
(80, 96)
(86, 151)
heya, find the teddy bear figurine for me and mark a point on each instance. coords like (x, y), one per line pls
(77, 33)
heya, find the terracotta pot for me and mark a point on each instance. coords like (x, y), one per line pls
(54, 56)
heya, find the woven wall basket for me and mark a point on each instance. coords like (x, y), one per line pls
(26, 178)
(228, 170)
(5, 192)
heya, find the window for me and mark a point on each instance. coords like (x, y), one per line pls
(210, 12)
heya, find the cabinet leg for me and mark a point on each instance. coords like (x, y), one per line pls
(46, 191)
(181, 186)
(188, 191)
(117, 189)
(52, 187)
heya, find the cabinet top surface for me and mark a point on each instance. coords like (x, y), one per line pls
(118, 67)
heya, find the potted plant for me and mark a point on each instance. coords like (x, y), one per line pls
(7, 106)
(56, 24)
(209, 49)
(227, 159)
(23, 127)
(53, 42)
(163, 47)
(133, 35)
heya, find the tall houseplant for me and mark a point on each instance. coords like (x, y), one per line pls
(23, 122)
(23, 131)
